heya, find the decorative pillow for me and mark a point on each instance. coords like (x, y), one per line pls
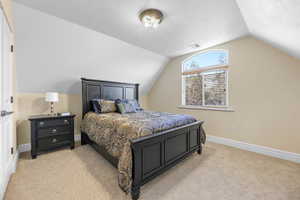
(96, 105)
(135, 104)
(107, 106)
(129, 108)
(121, 108)
(104, 106)
(124, 106)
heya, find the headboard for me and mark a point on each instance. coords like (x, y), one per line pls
(92, 89)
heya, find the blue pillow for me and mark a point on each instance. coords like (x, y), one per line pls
(96, 106)
(129, 108)
(135, 104)
(125, 106)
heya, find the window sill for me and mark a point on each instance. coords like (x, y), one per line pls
(224, 109)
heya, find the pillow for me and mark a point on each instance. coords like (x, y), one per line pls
(96, 105)
(124, 106)
(104, 106)
(135, 104)
(129, 108)
(121, 108)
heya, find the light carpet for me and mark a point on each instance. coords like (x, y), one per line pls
(220, 173)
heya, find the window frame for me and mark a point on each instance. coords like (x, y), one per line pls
(208, 68)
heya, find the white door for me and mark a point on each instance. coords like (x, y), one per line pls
(6, 121)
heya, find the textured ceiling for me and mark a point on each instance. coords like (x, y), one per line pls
(206, 22)
(275, 21)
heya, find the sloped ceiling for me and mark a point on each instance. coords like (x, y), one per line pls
(205, 22)
(48, 52)
(53, 54)
(275, 21)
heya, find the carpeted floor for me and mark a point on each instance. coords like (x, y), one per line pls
(221, 173)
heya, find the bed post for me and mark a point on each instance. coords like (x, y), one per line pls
(83, 139)
(199, 132)
(199, 151)
(136, 171)
(135, 193)
(85, 107)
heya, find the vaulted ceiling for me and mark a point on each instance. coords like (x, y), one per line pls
(205, 22)
(52, 55)
(49, 32)
(274, 21)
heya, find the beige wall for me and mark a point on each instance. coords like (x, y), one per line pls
(264, 92)
(34, 104)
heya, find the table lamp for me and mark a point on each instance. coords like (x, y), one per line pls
(51, 97)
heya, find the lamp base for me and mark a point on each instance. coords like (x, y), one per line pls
(51, 108)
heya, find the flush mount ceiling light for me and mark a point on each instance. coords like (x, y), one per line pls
(151, 17)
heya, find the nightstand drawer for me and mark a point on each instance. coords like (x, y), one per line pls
(53, 131)
(54, 122)
(55, 141)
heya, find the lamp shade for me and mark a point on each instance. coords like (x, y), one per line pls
(51, 97)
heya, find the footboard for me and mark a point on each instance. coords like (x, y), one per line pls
(154, 154)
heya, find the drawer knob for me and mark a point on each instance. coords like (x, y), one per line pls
(42, 123)
(66, 121)
(54, 131)
(54, 140)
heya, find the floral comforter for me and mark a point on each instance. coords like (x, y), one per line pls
(113, 131)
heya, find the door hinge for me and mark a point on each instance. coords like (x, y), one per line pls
(11, 150)
(11, 99)
(11, 48)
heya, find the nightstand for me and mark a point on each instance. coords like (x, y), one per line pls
(49, 132)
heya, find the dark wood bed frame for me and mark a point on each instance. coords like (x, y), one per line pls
(152, 154)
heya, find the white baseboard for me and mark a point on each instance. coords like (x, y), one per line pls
(77, 138)
(12, 166)
(27, 147)
(294, 157)
(14, 163)
(24, 147)
(285, 155)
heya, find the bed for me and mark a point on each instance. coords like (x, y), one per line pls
(149, 153)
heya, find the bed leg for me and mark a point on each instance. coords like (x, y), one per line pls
(135, 193)
(199, 151)
(83, 139)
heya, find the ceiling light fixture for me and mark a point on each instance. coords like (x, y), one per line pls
(151, 17)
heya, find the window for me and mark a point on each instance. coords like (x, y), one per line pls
(205, 79)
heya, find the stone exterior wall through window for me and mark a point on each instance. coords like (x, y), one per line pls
(193, 90)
